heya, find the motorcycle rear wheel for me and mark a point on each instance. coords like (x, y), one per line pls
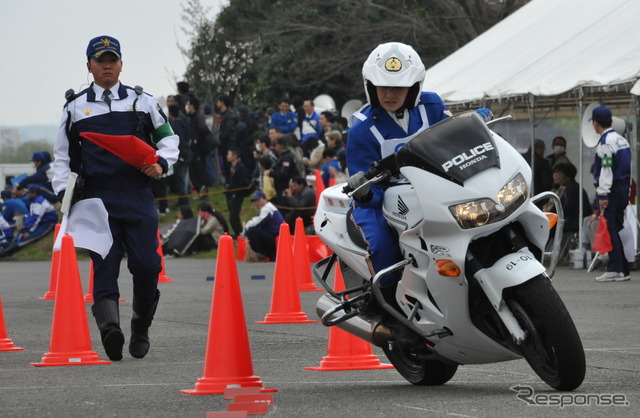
(552, 347)
(418, 371)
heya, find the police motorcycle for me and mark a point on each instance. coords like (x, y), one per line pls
(473, 283)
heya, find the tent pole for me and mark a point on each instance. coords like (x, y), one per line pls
(580, 163)
(637, 196)
(532, 120)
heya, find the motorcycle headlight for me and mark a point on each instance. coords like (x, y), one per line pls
(485, 211)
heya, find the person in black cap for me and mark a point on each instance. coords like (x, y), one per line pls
(612, 173)
(42, 177)
(262, 229)
(128, 119)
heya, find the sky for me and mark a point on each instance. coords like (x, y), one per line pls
(43, 45)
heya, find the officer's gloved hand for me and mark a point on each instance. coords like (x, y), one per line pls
(356, 181)
(485, 113)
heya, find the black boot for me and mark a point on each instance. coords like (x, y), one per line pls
(143, 312)
(107, 314)
(402, 334)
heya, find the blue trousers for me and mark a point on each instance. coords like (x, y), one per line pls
(383, 243)
(133, 221)
(614, 214)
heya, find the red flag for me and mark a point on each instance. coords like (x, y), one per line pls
(129, 148)
(602, 239)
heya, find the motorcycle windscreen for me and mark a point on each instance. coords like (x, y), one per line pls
(455, 148)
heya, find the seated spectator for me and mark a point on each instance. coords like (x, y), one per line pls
(262, 229)
(41, 220)
(265, 181)
(340, 175)
(42, 177)
(14, 210)
(313, 148)
(303, 201)
(212, 227)
(6, 234)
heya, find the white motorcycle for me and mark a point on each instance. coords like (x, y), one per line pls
(473, 284)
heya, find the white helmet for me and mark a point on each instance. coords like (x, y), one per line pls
(393, 64)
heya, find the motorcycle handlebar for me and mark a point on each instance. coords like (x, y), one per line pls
(387, 164)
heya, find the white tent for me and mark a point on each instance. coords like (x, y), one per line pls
(545, 48)
(546, 51)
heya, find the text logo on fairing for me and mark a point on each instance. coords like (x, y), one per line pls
(469, 157)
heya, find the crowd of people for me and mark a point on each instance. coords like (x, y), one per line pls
(276, 152)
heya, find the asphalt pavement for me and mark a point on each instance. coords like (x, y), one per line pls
(607, 316)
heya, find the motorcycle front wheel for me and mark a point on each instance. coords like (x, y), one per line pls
(418, 371)
(552, 346)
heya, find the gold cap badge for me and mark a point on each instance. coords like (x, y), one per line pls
(393, 64)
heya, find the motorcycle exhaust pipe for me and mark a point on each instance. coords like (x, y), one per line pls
(367, 327)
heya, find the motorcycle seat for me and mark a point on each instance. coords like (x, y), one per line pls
(355, 233)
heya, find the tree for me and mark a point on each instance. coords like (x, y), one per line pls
(259, 50)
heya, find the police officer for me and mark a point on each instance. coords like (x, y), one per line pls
(111, 108)
(397, 110)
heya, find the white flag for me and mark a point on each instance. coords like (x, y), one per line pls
(88, 224)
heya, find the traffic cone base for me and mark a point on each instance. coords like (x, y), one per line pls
(70, 359)
(346, 351)
(217, 385)
(336, 363)
(286, 318)
(286, 307)
(7, 345)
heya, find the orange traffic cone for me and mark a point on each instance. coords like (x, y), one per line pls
(88, 297)
(53, 274)
(228, 356)
(162, 277)
(301, 263)
(319, 185)
(70, 343)
(5, 343)
(242, 248)
(317, 249)
(285, 300)
(345, 351)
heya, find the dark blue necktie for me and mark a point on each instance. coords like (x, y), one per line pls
(106, 98)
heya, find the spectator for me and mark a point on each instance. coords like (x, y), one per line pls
(227, 129)
(285, 119)
(6, 234)
(42, 177)
(265, 183)
(236, 188)
(41, 220)
(559, 154)
(285, 168)
(310, 126)
(313, 148)
(329, 159)
(212, 227)
(179, 181)
(262, 229)
(13, 209)
(303, 201)
(203, 144)
(542, 174)
(243, 138)
(564, 175)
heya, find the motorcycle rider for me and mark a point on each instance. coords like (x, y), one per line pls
(397, 110)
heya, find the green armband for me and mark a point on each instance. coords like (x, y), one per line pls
(162, 131)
